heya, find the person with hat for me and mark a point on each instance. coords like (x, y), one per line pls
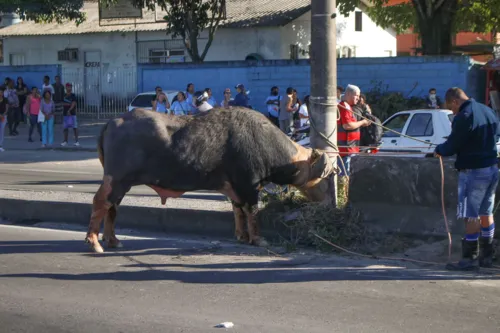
(69, 115)
(241, 98)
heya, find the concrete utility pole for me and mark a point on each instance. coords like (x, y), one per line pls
(323, 97)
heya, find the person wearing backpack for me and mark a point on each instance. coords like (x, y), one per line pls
(370, 136)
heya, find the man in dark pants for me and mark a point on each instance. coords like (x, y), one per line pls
(14, 114)
(475, 131)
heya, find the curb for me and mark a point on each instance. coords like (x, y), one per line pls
(167, 220)
(70, 149)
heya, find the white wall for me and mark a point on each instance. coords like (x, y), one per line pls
(116, 49)
(117, 57)
(232, 44)
(372, 41)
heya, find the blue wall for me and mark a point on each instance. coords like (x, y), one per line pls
(32, 75)
(413, 76)
(409, 75)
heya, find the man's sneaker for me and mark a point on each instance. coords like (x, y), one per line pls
(77, 144)
(1, 149)
(44, 146)
(64, 144)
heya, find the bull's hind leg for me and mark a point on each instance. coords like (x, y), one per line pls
(100, 207)
(239, 224)
(109, 228)
(109, 195)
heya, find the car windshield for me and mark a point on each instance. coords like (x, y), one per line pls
(143, 101)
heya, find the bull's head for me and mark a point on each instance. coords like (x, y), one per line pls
(318, 185)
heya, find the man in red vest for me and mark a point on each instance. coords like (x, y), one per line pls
(348, 129)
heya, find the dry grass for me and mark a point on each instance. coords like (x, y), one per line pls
(343, 226)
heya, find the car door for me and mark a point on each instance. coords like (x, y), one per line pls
(391, 140)
(421, 126)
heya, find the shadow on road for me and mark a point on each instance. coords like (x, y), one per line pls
(277, 271)
(36, 155)
(210, 195)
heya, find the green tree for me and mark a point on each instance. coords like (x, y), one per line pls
(188, 19)
(436, 21)
(184, 18)
(45, 10)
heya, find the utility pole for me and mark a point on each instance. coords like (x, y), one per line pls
(323, 97)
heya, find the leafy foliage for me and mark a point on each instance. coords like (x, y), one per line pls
(187, 19)
(434, 20)
(385, 103)
(42, 11)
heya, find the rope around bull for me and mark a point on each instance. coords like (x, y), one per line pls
(336, 150)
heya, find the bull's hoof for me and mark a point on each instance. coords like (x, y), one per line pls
(112, 242)
(115, 244)
(94, 246)
(261, 242)
(244, 238)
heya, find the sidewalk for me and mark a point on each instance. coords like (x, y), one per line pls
(87, 133)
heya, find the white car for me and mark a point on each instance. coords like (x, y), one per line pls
(143, 100)
(429, 125)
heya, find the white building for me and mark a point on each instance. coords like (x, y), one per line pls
(278, 29)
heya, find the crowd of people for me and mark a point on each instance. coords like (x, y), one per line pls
(37, 107)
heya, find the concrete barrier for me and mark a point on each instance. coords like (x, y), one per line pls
(404, 194)
(168, 220)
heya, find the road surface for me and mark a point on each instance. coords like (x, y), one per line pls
(49, 283)
(65, 171)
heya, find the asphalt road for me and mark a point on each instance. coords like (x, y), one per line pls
(50, 283)
(64, 171)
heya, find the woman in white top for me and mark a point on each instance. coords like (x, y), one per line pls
(304, 112)
(227, 98)
(180, 106)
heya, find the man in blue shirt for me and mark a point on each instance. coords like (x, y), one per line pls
(473, 139)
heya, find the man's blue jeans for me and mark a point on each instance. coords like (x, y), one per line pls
(476, 192)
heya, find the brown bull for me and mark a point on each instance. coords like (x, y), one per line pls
(234, 152)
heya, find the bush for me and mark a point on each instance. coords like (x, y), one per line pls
(385, 103)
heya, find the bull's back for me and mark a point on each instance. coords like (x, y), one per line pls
(202, 149)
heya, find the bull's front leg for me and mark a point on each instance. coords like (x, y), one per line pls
(100, 207)
(251, 211)
(239, 223)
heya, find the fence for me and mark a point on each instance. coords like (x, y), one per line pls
(101, 93)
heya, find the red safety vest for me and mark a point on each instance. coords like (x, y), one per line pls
(347, 138)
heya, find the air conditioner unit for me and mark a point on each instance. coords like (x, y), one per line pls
(67, 55)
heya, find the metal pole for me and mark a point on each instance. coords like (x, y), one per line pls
(323, 98)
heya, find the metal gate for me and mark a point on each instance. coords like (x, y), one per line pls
(102, 91)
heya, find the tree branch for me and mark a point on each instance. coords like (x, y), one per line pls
(214, 24)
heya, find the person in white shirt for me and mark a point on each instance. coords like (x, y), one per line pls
(47, 86)
(273, 108)
(304, 112)
(226, 102)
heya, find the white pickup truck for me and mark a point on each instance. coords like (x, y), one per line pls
(430, 125)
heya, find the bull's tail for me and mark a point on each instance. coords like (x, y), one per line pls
(100, 144)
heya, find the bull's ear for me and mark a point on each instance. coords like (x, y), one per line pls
(321, 167)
